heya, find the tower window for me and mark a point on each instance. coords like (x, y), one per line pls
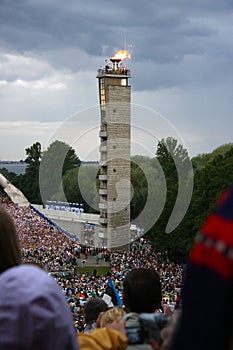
(124, 82)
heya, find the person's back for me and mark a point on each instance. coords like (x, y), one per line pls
(142, 291)
(141, 294)
(33, 312)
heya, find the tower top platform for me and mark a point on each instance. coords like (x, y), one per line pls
(120, 72)
(117, 67)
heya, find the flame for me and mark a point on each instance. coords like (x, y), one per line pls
(121, 55)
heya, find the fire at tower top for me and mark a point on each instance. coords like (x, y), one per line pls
(116, 67)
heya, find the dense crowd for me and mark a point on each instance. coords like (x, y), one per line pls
(35, 315)
(43, 244)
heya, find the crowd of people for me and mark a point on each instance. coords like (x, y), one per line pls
(43, 244)
(145, 281)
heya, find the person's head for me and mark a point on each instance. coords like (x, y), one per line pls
(111, 315)
(9, 244)
(93, 307)
(34, 314)
(142, 290)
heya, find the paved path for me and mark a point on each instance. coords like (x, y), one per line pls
(90, 261)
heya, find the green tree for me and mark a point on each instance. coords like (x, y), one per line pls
(139, 185)
(80, 186)
(9, 175)
(148, 191)
(56, 161)
(30, 181)
(177, 169)
(202, 159)
(210, 181)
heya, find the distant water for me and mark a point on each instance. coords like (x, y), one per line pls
(19, 167)
(15, 167)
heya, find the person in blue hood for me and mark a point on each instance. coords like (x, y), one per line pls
(34, 314)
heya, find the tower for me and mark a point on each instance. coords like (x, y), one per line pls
(114, 178)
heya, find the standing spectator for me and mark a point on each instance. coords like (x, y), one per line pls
(86, 254)
(97, 259)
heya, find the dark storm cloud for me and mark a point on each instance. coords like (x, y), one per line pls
(91, 24)
(181, 65)
(163, 33)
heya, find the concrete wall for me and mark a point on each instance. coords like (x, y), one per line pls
(118, 165)
(73, 222)
(14, 193)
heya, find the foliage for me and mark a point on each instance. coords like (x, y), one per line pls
(202, 159)
(209, 181)
(9, 175)
(150, 178)
(148, 194)
(139, 184)
(44, 171)
(80, 186)
(55, 162)
(30, 180)
(169, 154)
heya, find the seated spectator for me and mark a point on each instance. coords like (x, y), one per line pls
(9, 244)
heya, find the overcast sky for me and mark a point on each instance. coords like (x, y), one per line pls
(181, 66)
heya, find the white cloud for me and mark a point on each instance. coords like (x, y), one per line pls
(29, 72)
(16, 136)
(3, 83)
(22, 66)
(39, 84)
(79, 134)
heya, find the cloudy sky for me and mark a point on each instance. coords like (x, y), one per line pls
(181, 65)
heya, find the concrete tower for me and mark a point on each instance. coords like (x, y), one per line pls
(114, 178)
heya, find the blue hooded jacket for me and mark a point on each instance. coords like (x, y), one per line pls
(33, 312)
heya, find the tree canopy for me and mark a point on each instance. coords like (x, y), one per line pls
(55, 162)
(30, 181)
(209, 181)
(157, 182)
(44, 171)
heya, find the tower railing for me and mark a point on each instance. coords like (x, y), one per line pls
(112, 71)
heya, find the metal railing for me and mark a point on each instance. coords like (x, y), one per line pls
(117, 71)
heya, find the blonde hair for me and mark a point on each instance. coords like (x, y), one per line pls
(111, 315)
